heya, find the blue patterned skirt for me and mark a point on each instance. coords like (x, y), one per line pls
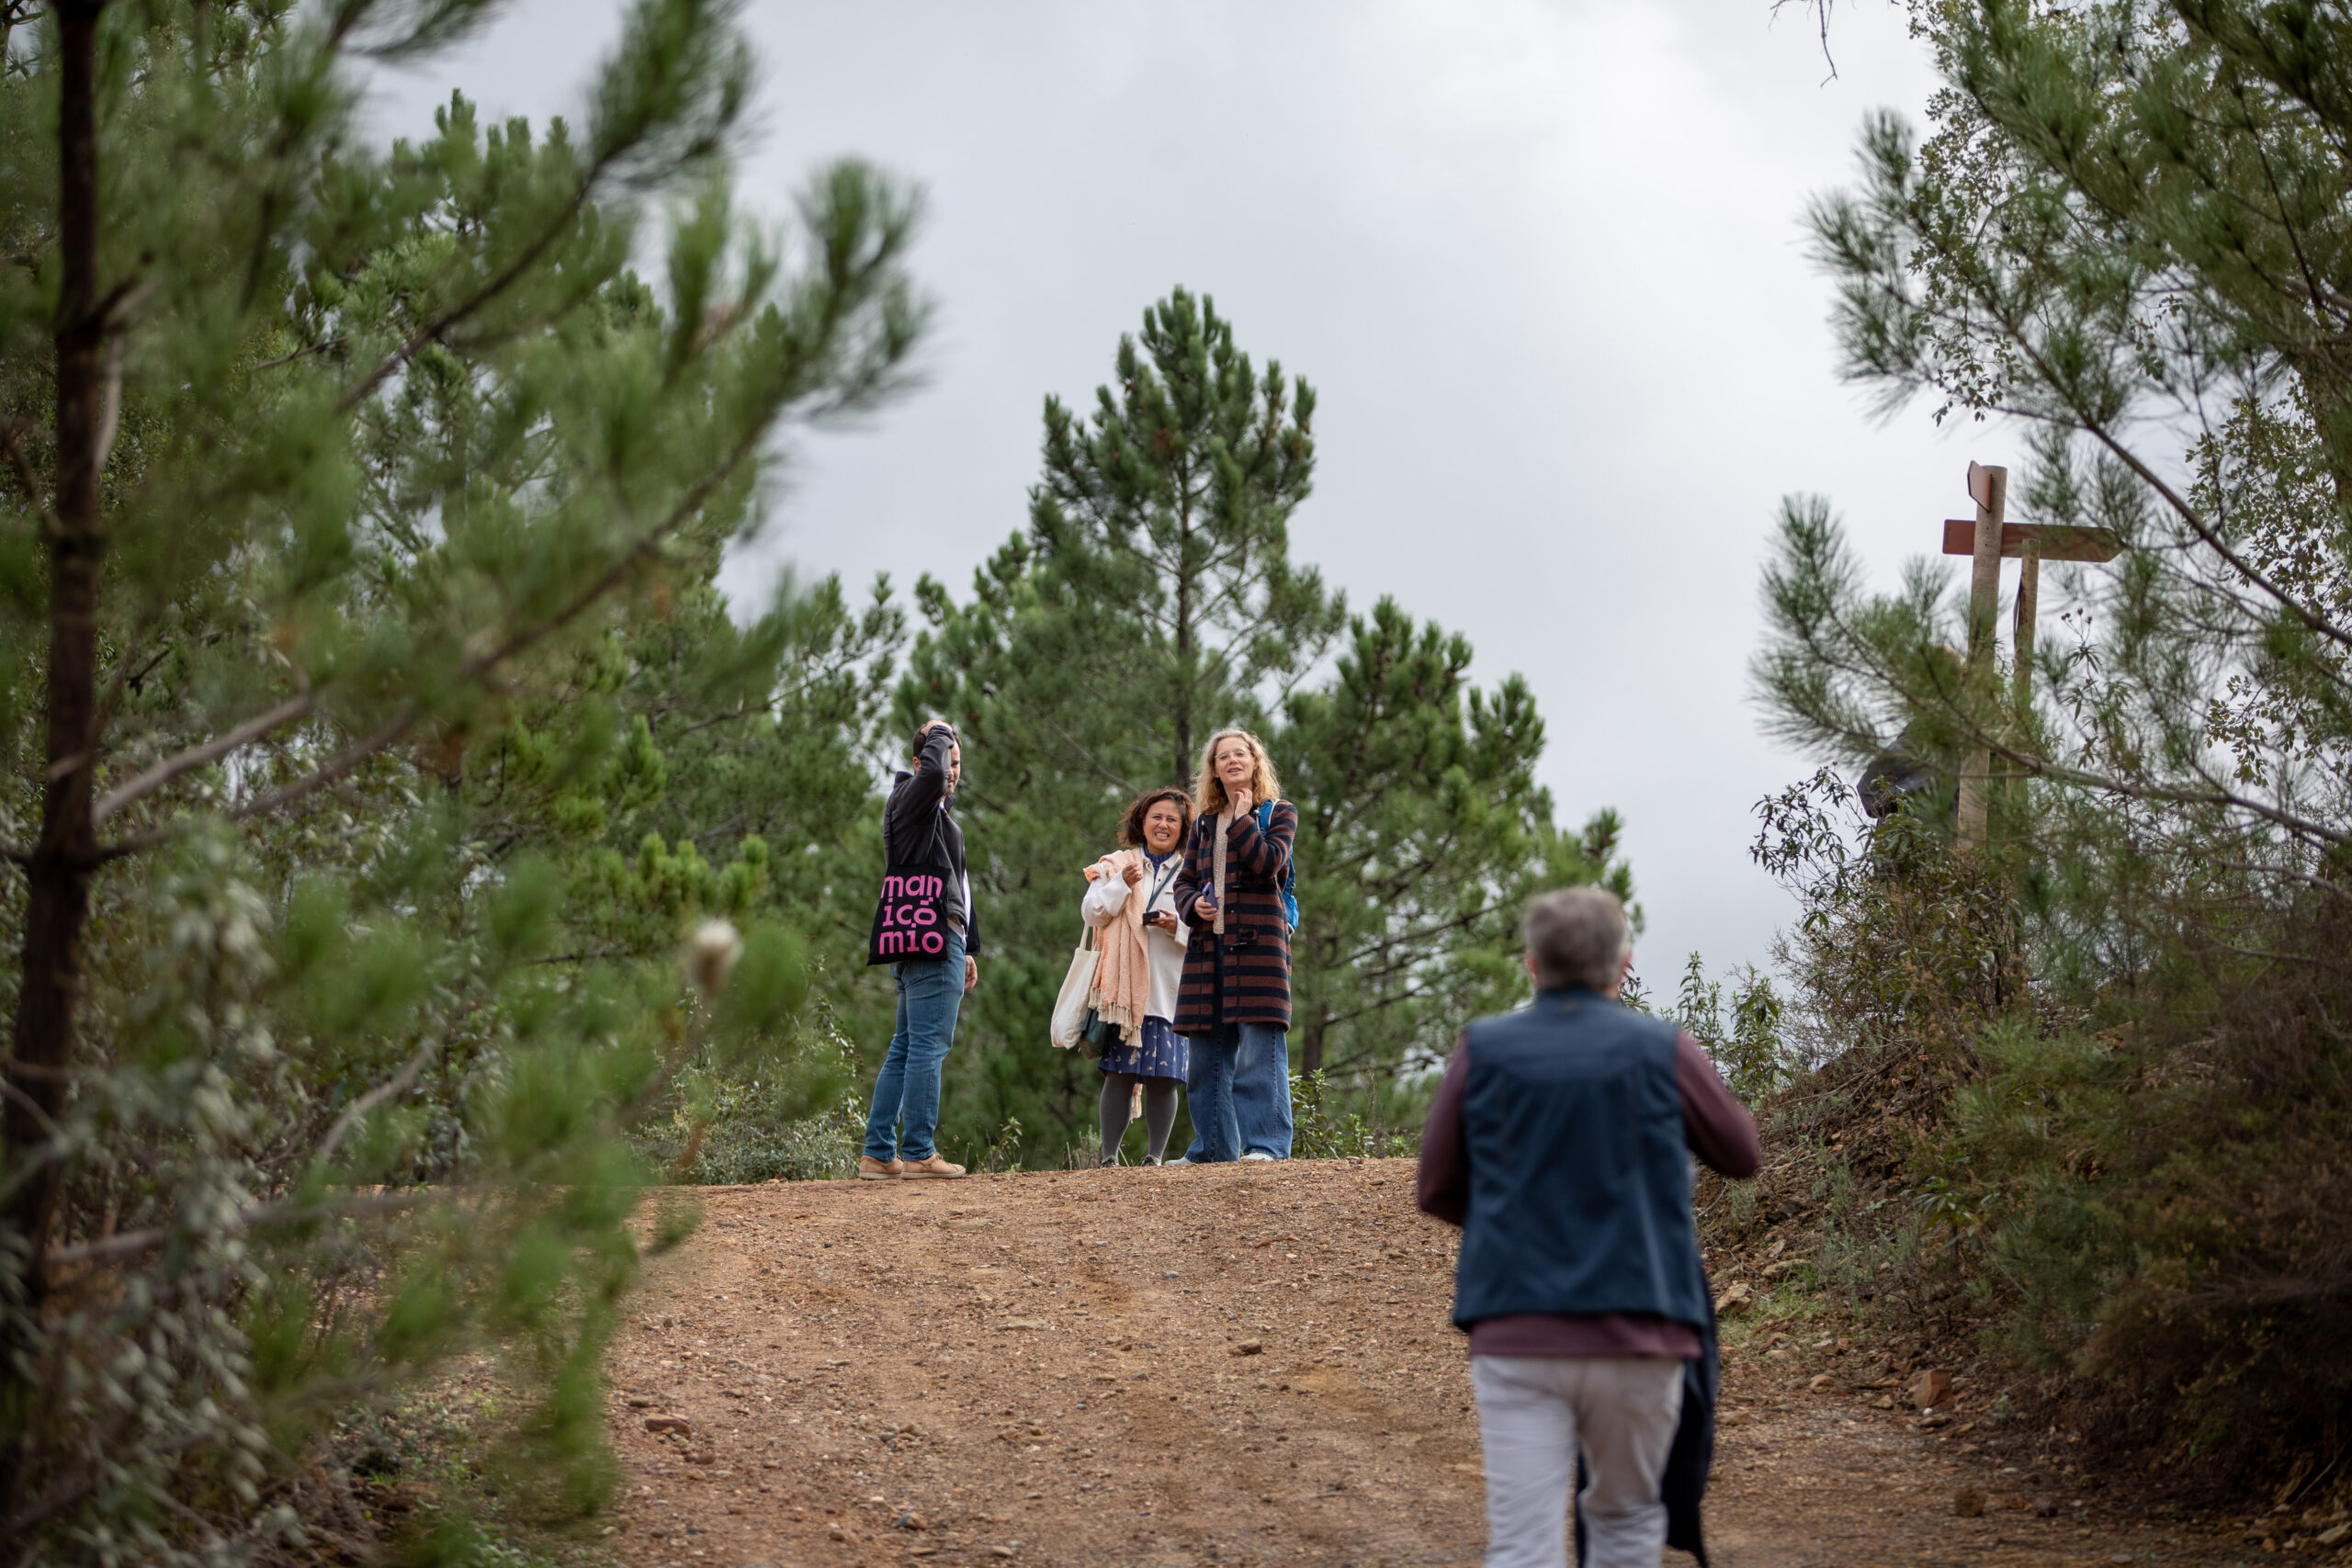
(1160, 1052)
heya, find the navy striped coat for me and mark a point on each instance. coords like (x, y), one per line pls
(1245, 978)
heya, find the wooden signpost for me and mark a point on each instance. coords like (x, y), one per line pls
(1989, 538)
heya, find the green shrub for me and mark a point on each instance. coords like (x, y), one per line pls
(1749, 1051)
(1320, 1130)
(2170, 1204)
(728, 1128)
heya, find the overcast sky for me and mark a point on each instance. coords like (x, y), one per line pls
(1542, 259)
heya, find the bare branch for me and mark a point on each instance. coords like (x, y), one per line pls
(2091, 423)
(391, 1089)
(348, 760)
(164, 772)
(111, 407)
(1091, 760)
(432, 331)
(335, 768)
(129, 1243)
(325, 346)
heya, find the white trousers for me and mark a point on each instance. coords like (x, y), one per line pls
(1534, 1413)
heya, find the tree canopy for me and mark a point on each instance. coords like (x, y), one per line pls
(369, 714)
(1151, 600)
(413, 862)
(2129, 231)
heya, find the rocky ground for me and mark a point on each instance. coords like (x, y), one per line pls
(1234, 1365)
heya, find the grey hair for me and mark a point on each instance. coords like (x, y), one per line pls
(1576, 936)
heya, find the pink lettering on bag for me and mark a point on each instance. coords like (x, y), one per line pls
(910, 914)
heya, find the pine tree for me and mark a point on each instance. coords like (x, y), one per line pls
(2130, 227)
(1422, 834)
(1167, 514)
(351, 498)
(1150, 599)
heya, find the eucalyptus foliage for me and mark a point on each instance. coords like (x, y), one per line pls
(375, 741)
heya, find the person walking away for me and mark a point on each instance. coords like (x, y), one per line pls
(1234, 1006)
(1560, 1141)
(925, 929)
(1131, 904)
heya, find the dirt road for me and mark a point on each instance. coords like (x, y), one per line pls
(1230, 1365)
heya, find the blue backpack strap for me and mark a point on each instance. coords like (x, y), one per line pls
(1290, 866)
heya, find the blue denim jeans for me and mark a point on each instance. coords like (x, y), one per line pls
(906, 1090)
(1238, 1088)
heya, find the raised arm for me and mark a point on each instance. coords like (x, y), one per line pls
(1266, 854)
(1720, 1129)
(1105, 897)
(913, 801)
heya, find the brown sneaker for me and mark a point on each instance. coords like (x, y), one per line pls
(936, 1166)
(871, 1169)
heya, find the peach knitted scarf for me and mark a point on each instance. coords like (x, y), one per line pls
(1123, 974)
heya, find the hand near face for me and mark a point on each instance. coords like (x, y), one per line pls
(1235, 761)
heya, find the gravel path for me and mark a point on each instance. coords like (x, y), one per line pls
(1239, 1364)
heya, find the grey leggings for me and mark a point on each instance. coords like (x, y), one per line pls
(1159, 1111)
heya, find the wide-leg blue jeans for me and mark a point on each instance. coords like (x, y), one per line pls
(906, 1090)
(1237, 1086)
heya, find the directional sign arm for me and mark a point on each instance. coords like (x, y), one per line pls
(2049, 541)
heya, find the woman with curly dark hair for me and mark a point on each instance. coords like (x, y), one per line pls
(1130, 903)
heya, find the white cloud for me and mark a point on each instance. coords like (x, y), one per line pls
(1544, 262)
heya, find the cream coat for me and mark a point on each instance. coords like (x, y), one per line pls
(1106, 899)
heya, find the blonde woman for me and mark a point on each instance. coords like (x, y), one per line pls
(1234, 1006)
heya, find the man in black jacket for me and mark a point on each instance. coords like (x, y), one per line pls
(923, 928)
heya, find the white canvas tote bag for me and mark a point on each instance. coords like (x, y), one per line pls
(1078, 993)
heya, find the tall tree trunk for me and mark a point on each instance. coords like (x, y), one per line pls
(64, 859)
(1184, 637)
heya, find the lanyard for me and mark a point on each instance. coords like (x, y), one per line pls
(1161, 879)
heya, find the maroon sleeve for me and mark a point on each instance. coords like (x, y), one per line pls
(1443, 1191)
(1721, 1131)
(1262, 854)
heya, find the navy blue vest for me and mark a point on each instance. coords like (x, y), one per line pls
(1579, 1169)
